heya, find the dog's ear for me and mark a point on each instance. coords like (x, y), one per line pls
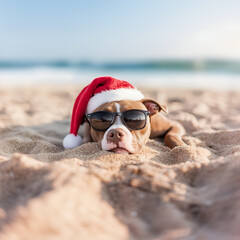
(153, 107)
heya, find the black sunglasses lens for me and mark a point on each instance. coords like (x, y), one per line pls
(101, 120)
(134, 119)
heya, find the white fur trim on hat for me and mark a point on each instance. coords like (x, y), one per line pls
(72, 141)
(113, 95)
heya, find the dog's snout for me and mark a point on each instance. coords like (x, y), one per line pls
(115, 135)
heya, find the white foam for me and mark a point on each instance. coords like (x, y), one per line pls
(191, 80)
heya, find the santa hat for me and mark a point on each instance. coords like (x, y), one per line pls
(101, 90)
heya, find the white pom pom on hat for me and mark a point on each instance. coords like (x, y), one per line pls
(72, 141)
(101, 90)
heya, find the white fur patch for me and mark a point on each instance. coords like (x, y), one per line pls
(127, 144)
(113, 95)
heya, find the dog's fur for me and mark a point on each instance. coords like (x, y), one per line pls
(118, 138)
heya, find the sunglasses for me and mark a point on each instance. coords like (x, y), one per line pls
(134, 119)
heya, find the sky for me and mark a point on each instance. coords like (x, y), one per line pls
(119, 30)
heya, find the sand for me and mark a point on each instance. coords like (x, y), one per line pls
(47, 192)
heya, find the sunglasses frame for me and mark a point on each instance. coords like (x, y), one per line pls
(114, 115)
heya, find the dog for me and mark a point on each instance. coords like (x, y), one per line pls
(122, 122)
(118, 138)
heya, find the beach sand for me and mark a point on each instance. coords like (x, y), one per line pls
(47, 192)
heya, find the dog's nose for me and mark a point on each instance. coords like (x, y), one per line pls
(115, 135)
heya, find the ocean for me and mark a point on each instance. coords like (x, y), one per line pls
(204, 74)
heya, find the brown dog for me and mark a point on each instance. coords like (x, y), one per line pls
(119, 139)
(118, 116)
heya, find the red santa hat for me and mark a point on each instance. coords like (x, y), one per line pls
(101, 90)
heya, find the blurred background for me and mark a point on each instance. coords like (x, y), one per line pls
(183, 44)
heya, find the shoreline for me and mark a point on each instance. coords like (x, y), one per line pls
(141, 87)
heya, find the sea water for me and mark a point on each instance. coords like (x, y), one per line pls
(171, 74)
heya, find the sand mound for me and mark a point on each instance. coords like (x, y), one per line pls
(190, 192)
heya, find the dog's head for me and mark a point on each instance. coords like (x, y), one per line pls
(123, 126)
(118, 115)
